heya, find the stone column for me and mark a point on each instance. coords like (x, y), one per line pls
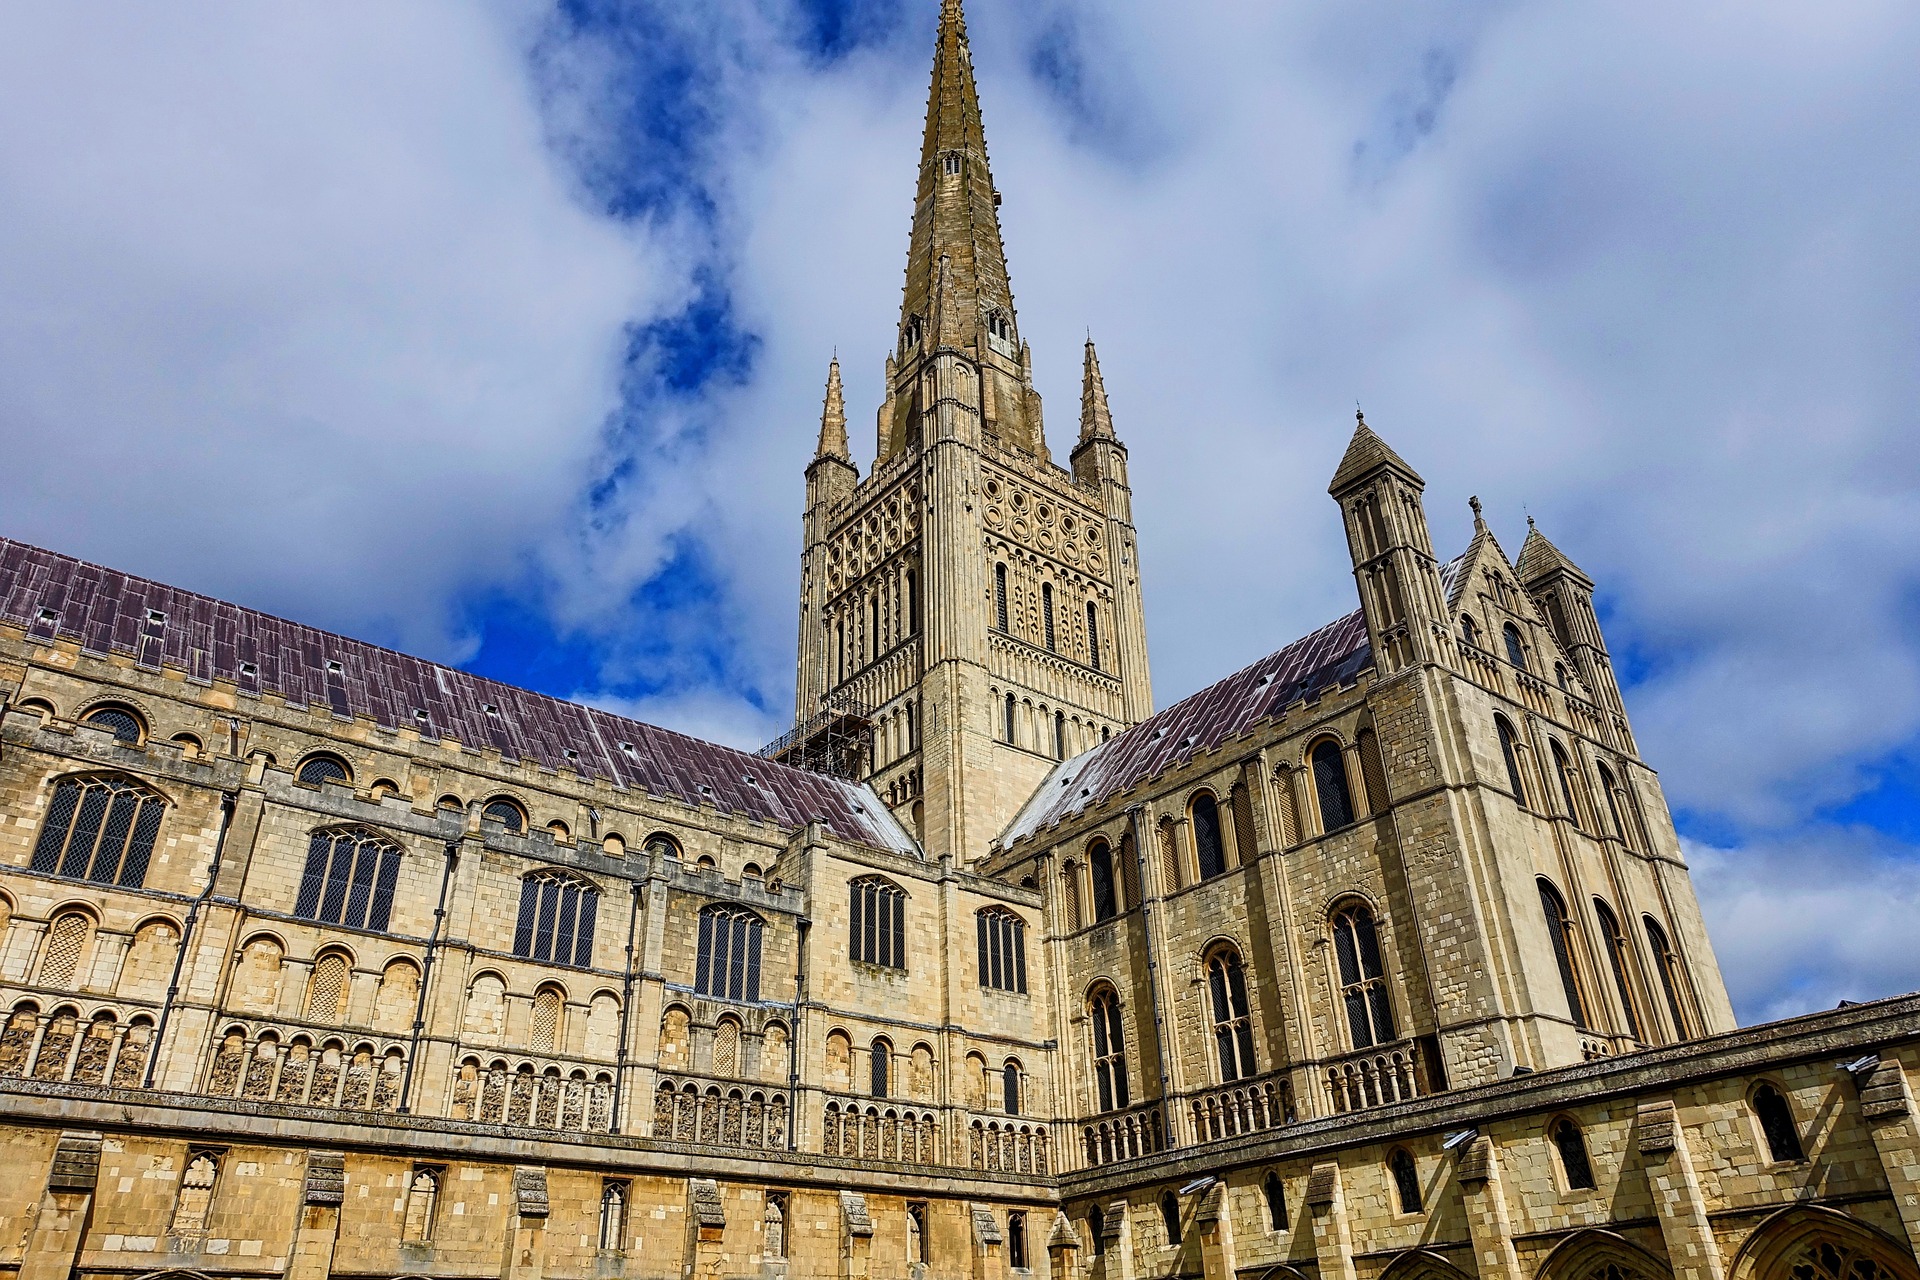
(325, 1190)
(1691, 1247)
(527, 1241)
(1332, 1239)
(1479, 1176)
(1214, 1220)
(57, 1226)
(1887, 1102)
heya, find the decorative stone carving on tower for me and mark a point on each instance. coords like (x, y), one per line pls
(971, 607)
(1565, 597)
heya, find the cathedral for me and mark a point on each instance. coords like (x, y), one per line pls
(1377, 960)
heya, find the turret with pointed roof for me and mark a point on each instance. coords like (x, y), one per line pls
(1392, 550)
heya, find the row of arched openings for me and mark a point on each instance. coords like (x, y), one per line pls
(1564, 933)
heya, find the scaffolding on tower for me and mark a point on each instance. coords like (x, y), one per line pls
(834, 741)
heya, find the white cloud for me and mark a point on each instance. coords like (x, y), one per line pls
(300, 308)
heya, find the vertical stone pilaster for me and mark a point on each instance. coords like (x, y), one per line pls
(856, 1236)
(989, 1246)
(1691, 1246)
(1486, 1204)
(1063, 1248)
(1332, 1237)
(527, 1243)
(320, 1200)
(1214, 1220)
(59, 1223)
(1887, 1103)
(1116, 1242)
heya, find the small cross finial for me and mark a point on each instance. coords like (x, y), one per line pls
(1359, 417)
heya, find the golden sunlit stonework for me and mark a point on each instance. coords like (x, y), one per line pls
(1378, 960)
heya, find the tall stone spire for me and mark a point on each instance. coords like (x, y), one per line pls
(1096, 420)
(833, 418)
(955, 208)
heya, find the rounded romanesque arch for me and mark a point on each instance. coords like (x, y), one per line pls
(1811, 1243)
(1601, 1255)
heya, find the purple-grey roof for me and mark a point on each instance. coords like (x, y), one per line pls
(1332, 656)
(50, 595)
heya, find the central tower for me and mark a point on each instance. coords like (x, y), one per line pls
(977, 604)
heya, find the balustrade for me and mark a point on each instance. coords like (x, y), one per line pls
(874, 1130)
(1247, 1106)
(1377, 1077)
(271, 1064)
(1002, 1145)
(102, 1049)
(720, 1114)
(1124, 1135)
(534, 1094)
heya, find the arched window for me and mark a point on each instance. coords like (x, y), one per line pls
(1000, 598)
(1672, 980)
(879, 931)
(1406, 1180)
(556, 919)
(950, 163)
(1169, 856)
(1469, 633)
(66, 943)
(1097, 1228)
(191, 1207)
(728, 961)
(100, 828)
(1618, 961)
(1009, 720)
(1109, 1049)
(1046, 612)
(1232, 1027)
(1776, 1125)
(1093, 636)
(613, 1215)
(880, 1059)
(1611, 788)
(1100, 869)
(1566, 950)
(506, 813)
(327, 988)
(1330, 786)
(1016, 1240)
(124, 723)
(1516, 651)
(323, 767)
(1373, 770)
(1564, 768)
(1010, 1088)
(423, 1197)
(1560, 674)
(1275, 1193)
(1572, 1147)
(548, 1005)
(1070, 892)
(1059, 735)
(349, 879)
(1510, 752)
(1170, 1217)
(1003, 950)
(916, 1233)
(1129, 871)
(1208, 848)
(774, 1245)
(1363, 982)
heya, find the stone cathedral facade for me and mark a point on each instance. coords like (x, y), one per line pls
(1378, 960)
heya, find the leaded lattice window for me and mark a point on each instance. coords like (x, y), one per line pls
(1363, 979)
(728, 961)
(556, 919)
(1109, 1050)
(1566, 951)
(1209, 849)
(1232, 1025)
(1003, 950)
(1330, 786)
(100, 828)
(879, 923)
(1617, 958)
(1100, 870)
(317, 769)
(349, 879)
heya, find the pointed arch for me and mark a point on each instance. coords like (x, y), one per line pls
(1422, 1264)
(1586, 1254)
(1815, 1239)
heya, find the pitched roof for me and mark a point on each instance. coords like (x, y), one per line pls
(1538, 558)
(104, 611)
(1330, 657)
(1365, 452)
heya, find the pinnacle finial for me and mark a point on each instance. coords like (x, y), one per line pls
(1530, 524)
(833, 417)
(1479, 521)
(1096, 419)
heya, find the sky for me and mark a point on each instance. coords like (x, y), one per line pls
(497, 332)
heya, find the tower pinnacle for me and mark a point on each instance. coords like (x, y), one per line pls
(1096, 420)
(833, 418)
